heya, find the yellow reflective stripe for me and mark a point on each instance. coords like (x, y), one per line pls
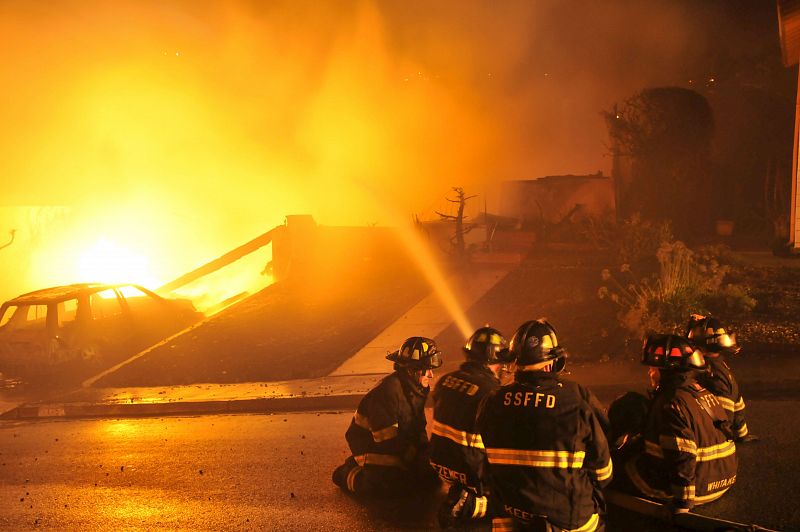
(561, 459)
(378, 459)
(704, 454)
(714, 452)
(467, 439)
(739, 405)
(743, 431)
(502, 524)
(673, 443)
(640, 483)
(377, 435)
(480, 507)
(702, 499)
(351, 478)
(604, 472)
(685, 493)
(588, 526)
(726, 403)
(386, 434)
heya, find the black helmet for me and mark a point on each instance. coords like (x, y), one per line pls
(417, 352)
(709, 334)
(671, 352)
(535, 341)
(487, 345)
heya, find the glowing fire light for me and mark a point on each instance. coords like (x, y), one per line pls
(108, 262)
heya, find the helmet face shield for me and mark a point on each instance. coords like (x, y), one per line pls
(709, 334)
(726, 340)
(726, 343)
(434, 361)
(561, 360)
(695, 360)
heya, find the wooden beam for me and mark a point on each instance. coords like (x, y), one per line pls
(220, 262)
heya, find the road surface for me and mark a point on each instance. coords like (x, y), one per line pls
(272, 472)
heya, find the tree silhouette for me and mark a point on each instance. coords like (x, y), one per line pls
(457, 240)
(661, 143)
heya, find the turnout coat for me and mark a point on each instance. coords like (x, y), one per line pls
(719, 380)
(547, 452)
(457, 451)
(389, 426)
(689, 456)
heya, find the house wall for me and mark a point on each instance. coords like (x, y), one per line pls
(550, 199)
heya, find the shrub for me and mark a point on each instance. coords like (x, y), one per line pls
(685, 283)
(731, 300)
(631, 241)
(640, 239)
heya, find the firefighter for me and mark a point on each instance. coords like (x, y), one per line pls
(387, 436)
(547, 452)
(688, 456)
(457, 452)
(707, 334)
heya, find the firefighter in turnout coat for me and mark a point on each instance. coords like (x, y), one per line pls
(708, 335)
(547, 451)
(689, 456)
(457, 452)
(387, 436)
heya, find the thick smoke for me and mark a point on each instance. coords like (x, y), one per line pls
(183, 129)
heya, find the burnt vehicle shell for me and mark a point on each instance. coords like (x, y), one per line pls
(85, 326)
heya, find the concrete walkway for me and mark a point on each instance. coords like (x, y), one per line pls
(427, 318)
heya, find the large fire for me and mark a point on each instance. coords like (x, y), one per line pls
(108, 262)
(173, 133)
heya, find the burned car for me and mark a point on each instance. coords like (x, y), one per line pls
(87, 326)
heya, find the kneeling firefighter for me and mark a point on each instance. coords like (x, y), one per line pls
(688, 456)
(544, 438)
(457, 452)
(707, 334)
(387, 436)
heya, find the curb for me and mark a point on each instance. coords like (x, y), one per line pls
(259, 405)
(780, 390)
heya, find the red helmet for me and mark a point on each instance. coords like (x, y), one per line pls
(671, 352)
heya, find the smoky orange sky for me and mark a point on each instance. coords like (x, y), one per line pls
(170, 132)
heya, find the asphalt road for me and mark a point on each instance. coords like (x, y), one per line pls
(272, 472)
(201, 473)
